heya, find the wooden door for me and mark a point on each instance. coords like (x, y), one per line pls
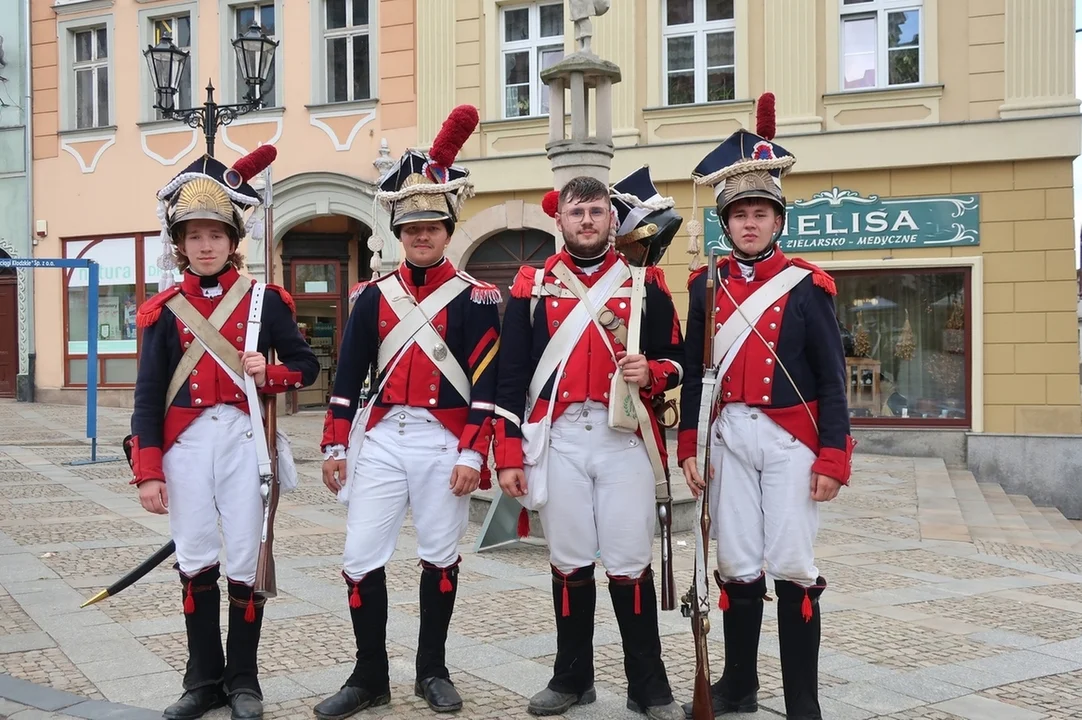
(9, 335)
(498, 259)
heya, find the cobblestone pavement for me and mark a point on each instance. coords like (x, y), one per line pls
(928, 615)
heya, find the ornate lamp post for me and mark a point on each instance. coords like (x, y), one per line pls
(255, 56)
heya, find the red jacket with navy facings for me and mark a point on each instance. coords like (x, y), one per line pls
(590, 367)
(470, 327)
(803, 329)
(165, 338)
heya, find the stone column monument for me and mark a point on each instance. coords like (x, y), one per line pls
(582, 153)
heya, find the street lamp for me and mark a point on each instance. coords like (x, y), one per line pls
(255, 56)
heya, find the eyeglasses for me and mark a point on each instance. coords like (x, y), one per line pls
(577, 214)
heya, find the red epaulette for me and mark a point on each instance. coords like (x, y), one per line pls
(483, 293)
(151, 310)
(656, 275)
(695, 273)
(819, 276)
(286, 298)
(524, 282)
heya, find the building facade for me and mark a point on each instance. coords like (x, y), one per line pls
(934, 142)
(16, 309)
(340, 102)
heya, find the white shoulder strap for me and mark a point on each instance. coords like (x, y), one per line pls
(255, 410)
(538, 284)
(753, 308)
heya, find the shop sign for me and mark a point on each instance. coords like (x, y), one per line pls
(836, 220)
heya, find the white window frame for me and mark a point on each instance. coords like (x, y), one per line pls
(534, 44)
(880, 10)
(320, 35)
(68, 99)
(229, 92)
(147, 18)
(699, 28)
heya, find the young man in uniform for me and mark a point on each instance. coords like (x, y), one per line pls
(779, 429)
(433, 333)
(562, 360)
(193, 440)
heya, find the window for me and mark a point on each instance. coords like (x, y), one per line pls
(262, 16)
(880, 43)
(179, 28)
(90, 66)
(127, 276)
(699, 54)
(907, 342)
(348, 49)
(532, 39)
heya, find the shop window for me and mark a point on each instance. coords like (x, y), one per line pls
(880, 43)
(906, 337)
(699, 51)
(532, 39)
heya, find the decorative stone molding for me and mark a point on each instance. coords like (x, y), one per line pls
(272, 116)
(145, 136)
(883, 108)
(70, 7)
(511, 215)
(23, 293)
(79, 145)
(703, 121)
(347, 122)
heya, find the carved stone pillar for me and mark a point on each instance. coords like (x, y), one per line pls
(791, 62)
(1039, 58)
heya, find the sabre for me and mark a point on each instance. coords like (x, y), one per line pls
(142, 569)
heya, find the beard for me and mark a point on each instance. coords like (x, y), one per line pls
(588, 248)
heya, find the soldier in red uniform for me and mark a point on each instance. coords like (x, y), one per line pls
(193, 440)
(779, 421)
(560, 450)
(433, 334)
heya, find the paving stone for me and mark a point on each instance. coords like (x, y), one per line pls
(875, 698)
(99, 710)
(927, 561)
(111, 561)
(922, 685)
(41, 490)
(34, 694)
(134, 690)
(25, 641)
(39, 534)
(976, 707)
(48, 667)
(1007, 615)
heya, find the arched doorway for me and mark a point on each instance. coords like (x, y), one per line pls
(9, 330)
(321, 259)
(497, 259)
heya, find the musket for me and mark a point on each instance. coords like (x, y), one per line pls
(266, 581)
(696, 604)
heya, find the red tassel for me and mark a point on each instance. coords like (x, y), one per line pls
(249, 612)
(806, 607)
(445, 583)
(765, 123)
(638, 600)
(723, 600)
(355, 597)
(255, 162)
(189, 601)
(566, 612)
(524, 525)
(456, 130)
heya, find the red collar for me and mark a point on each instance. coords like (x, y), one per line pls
(763, 270)
(190, 284)
(435, 276)
(610, 259)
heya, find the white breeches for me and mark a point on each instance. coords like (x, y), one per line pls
(760, 499)
(407, 459)
(600, 494)
(211, 471)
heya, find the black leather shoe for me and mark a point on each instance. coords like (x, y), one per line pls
(195, 703)
(246, 706)
(439, 693)
(348, 701)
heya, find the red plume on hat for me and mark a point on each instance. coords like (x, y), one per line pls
(551, 203)
(456, 130)
(765, 123)
(250, 165)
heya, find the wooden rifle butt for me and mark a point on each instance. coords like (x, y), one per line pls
(266, 580)
(702, 702)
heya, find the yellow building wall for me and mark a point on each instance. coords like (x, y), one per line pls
(1029, 355)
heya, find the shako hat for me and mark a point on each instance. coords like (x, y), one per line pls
(647, 221)
(430, 186)
(208, 190)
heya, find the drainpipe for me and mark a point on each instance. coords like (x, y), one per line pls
(25, 390)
